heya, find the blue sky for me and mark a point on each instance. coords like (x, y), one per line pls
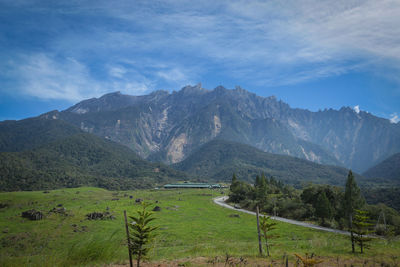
(311, 54)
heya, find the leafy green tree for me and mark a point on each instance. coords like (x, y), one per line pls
(361, 228)
(266, 227)
(239, 191)
(352, 200)
(141, 233)
(323, 208)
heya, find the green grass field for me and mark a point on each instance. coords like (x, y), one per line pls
(191, 226)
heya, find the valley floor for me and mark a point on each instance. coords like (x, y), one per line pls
(193, 231)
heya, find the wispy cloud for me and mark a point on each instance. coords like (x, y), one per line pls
(295, 41)
(137, 46)
(47, 77)
(117, 71)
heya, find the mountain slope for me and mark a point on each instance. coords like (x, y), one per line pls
(33, 132)
(170, 126)
(389, 169)
(75, 159)
(219, 159)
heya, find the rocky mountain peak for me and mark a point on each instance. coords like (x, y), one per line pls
(193, 89)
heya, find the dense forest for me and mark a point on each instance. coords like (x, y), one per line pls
(77, 160)
(323, 204)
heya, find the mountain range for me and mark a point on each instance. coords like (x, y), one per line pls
(168, 127)
(116, 141)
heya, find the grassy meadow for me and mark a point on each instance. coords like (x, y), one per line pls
(191, 227)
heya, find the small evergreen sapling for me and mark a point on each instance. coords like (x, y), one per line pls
(141, 233)
(266, 227)
(361, 228)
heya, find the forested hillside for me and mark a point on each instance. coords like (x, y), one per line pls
(60, 155)
(219, 159)
(388, 169)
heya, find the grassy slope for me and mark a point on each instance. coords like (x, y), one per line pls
(196, 228)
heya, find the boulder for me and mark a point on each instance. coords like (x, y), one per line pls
(157, 208)
(32, 214)
(100, 216)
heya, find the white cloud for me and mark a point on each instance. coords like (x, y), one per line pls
(117, 71)
(150, 44)
(357, 109)
(293, 40)
(175, 75)
(47, 77)
(394, 118)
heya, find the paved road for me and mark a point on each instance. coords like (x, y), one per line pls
(221, 201)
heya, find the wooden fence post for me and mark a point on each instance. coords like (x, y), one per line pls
(259, 234)
(129, 241)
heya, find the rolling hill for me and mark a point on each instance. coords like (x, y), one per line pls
(388, 169)
(219, 159)
(46, 153)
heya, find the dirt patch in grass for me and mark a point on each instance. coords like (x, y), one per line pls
(223, 261)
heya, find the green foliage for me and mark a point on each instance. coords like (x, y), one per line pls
(32, 133)
(323, 208)
(239, 190)
(388, 169)
(261, 190)
(388, 195)
(361, 228)
(352, 196)
(80, 159)
(386, 219)
(266, 227)
(141, 233)
(323, 203)
(352, 200)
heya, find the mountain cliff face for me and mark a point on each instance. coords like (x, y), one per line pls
(170, 126)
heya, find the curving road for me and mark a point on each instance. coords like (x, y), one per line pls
(221, 201)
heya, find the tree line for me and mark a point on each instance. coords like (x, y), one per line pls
(331, 206)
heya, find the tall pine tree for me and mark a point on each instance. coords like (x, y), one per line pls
(261, 186)
(352, 200)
